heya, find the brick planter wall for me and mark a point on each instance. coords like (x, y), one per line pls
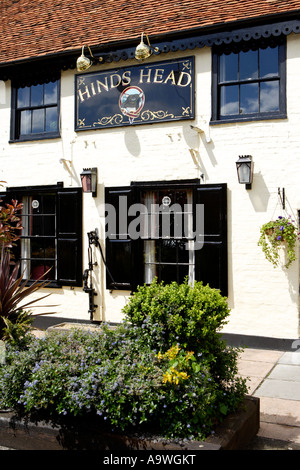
(233, 434)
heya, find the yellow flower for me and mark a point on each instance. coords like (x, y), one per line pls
(170, 354)
(174, 376)
(189, 355)
(173, 351)
(167, 377)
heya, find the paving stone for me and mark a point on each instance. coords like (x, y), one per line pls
(285, 372)
(279, 411)
(290, 358)
(252, 383)
(285, 389)
(280, 432)
(254, 368)
(261, 355)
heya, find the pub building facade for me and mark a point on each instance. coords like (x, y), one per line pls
(124, 151)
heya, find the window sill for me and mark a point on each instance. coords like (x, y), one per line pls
(31, 138)
(234, 119)
(51, 284)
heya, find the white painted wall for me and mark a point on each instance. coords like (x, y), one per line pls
(263, 300)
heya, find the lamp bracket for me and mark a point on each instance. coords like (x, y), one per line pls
(197, 129)
(281, 194)
(201, 131)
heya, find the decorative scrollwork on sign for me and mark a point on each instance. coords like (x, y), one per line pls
(148, 115)
(187, 65)
(115, 119)
(186, 111)
(81, 122)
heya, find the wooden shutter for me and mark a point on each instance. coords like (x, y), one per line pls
(211, 260)
(69, 236)
(122, 253)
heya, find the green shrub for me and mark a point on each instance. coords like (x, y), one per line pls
(17, 327)
(116, 376)
(189, 315)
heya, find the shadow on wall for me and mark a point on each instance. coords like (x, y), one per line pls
(259, 197)
(132, 142)
(259, 194)
(4, 95)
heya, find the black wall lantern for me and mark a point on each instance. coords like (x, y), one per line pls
(89, 180)
(244, 167)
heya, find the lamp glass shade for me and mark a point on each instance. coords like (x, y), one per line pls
(86, 181)
(245, 169)
(142, 51)
(89, 180)
(83, 63)
(244, 174)
(94, 183)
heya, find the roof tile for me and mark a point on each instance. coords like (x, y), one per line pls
(41, 27)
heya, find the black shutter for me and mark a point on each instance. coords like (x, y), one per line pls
(122, 252)
(211, 260)
(69, 236)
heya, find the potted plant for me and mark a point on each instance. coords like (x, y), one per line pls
(276, 234)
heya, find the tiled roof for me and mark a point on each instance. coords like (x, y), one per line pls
(34, 28)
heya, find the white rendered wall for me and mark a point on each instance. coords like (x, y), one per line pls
(263, 300)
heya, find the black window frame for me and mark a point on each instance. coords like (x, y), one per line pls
(213, 196)
(68, 235)
(216, 117)
(15, 135)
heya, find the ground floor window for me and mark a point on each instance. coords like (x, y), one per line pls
(167, 230)
(38, 244)
(51, 238)
(168, 247)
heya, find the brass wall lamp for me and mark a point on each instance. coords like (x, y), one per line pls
(143, 51)
(83, 63)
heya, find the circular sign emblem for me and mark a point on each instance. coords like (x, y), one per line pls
(131, 102)
(35, 204)
(166, 200)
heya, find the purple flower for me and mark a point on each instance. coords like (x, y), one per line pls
(279, 237)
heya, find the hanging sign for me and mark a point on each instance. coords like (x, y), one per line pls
(141, 94)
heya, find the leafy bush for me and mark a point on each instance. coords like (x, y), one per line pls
(14, 318)
(10, 223)
(130, 377)
(188, 315)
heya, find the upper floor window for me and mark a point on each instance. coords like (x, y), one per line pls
(35, 111)
(249, 84)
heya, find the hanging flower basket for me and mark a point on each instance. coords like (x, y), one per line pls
(278, 234)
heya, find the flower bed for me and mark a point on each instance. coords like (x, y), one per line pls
(164, 370)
